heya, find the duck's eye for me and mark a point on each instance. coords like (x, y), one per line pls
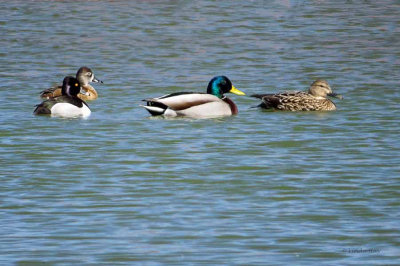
(89, 74)
(76, 84)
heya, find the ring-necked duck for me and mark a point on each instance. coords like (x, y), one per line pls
(66, 105)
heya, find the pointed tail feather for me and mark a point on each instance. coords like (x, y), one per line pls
(260, 96)
(256, 106)
(155, 108)
(41, 110)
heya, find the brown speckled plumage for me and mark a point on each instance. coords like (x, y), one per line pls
(90, 95)
(315, 99)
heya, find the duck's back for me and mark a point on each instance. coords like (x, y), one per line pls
(51, 92)
(184, 100)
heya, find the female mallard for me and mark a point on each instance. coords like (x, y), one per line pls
(197, 105)
(68, 104)
(313, 100)
(84, 75)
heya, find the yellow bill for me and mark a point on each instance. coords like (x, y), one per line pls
(236, 91)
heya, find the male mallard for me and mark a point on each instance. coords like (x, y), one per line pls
(195, 104)
(84, 75)
(313, 100)
(68, 104)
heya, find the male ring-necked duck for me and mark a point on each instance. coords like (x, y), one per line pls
(315, 99)
(197, 105)
(85, 75)
(68, 104)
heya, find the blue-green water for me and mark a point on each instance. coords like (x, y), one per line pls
(256, 188)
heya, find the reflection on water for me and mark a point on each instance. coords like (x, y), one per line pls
(278, 187)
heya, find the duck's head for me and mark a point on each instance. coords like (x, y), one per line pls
(321, 88)
(85, 75)
(220, 85)
(71, 86)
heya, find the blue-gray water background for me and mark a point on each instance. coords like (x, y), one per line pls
(257, 188)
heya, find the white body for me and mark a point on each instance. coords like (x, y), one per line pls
(211, 109)
(69, 110)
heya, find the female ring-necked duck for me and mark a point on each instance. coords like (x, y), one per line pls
(68, 104)
(85, 75)
(315, 99)
(197, 105)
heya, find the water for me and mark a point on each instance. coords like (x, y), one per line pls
(257, 188)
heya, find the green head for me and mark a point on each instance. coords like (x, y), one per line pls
(220, 85)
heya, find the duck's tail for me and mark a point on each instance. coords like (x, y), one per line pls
(41, 109)
(260, 96)
(263, 100)
(155, 108)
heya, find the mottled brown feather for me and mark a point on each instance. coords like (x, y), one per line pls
(297, 101)
(315, 99)
(56, 91)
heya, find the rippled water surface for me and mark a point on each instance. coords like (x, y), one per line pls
(257, 188)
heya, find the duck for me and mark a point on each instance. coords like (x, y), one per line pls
(196, 104)
(68, 105)
(315, 99)
(85, 75)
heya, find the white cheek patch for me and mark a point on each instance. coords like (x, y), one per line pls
(90, 76)
(69, 110)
